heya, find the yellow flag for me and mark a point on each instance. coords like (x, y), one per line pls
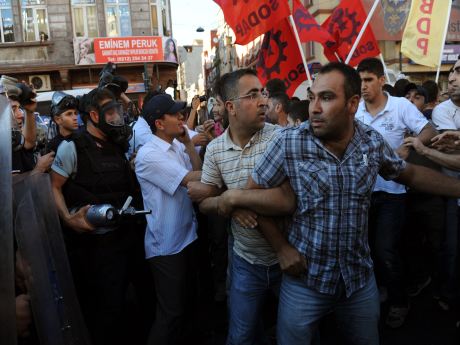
(423, 36)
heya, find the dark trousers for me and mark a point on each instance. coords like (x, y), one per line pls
(386, 223)
(174, 285)
(218, 243)
(424, 231)
(449, 252)
(100, 266)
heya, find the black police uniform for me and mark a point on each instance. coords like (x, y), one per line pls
(102, 264)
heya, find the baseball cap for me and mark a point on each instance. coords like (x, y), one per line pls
(159, 105)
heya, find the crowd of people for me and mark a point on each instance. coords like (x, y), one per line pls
(330, 205)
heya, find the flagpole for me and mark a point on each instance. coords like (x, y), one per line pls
(384, 67)
(444, 41)
(304, 60)
(361, 33)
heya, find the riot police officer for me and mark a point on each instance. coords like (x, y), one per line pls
(91, 168)
(64, 114)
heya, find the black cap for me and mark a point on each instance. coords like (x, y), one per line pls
(159, 105)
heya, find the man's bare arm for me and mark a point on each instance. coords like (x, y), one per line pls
(76, 221)
(198, 191)
(277, 201)
(427, 133)
(429, 181)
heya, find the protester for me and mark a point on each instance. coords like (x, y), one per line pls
(417, 95)
(433, 96)
(277, 109)
(228, 162)
(298, 112)
(392, 117)
(275, 85)
(164, 166)
(328, 159)
(400, 87)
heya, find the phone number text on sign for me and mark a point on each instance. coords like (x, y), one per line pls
(128, 49)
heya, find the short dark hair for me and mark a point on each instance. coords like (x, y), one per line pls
(229, 83)
(298, 110)
(432, 90)
(217, 88)
(371, 65)
(352, 81)
(100, 95)
(275, 85)
(400, 87)
(281, 98)
(389, 88)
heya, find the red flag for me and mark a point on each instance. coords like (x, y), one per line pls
(279, 57)
(249, 18)
(344, 24)
(308, 28)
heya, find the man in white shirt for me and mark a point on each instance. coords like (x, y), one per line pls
(446, 116)
(393, 117)
(164, 166)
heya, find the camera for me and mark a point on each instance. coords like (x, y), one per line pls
(115, 83)
(203, 98)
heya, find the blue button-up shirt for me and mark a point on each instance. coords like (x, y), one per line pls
(333, 194)
(160, 169)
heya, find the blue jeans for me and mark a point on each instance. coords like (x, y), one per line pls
(250, 284)
(300, 310)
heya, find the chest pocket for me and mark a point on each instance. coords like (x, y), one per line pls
(364, 174)
(315, 185)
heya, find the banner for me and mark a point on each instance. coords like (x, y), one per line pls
(279, 57)
(344, 25)
(423, 37)
(307, 27)
(134, 49)
(250, 19)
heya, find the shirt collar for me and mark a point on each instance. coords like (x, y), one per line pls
(362, 132)
(229, 144)
(389, 106)
(164, 146)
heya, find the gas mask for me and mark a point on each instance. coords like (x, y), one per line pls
(112, 123)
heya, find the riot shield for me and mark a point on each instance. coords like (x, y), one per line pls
(7, 300)
(55, 308)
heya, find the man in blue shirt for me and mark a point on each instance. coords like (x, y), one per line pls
(164, 166)
(332, 162)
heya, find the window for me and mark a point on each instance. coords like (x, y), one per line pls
(84, 14)
(159, 14)
(6, 22)
(118, 18)
(154, 17)
(165, 18)
(34, 20)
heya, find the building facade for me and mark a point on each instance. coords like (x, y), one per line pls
(387, 23)
(37, 40)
